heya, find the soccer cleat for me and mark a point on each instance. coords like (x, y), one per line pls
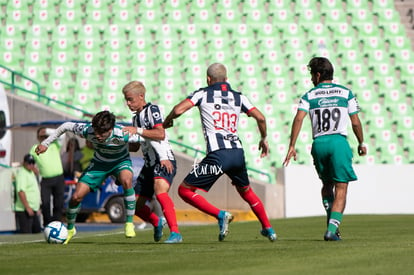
(329, 236)
(71, 233)
(174, 238)
(129, 230)
(269, 233)
(224, 218)
(338, 234)
(158, 229)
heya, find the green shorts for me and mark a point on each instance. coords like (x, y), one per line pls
(98, 171)
(332, 157)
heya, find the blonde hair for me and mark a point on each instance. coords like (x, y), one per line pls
(136, 87)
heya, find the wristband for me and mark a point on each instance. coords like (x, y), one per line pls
(362, 145)
(140, 131)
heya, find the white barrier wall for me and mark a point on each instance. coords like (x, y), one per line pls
(380, 189)
(7, 220)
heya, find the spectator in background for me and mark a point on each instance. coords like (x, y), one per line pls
(53, 181)
(27, 206)
(87, 154)
(71, 159)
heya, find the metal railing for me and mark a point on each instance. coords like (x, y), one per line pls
(47, 100)
(14, 85)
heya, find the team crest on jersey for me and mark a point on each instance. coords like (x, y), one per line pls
(217, 106)
(115, 141)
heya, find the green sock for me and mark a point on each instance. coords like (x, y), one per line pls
(327, 204)
(129, 201)
(334, 221)
(71, 214)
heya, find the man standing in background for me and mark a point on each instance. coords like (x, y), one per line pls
(27, 206)
(53, 181)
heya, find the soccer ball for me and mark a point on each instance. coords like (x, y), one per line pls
(56, 232)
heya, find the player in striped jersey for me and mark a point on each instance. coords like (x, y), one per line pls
(111, 157)
(159, 170)
(220, 108)
(329, 105)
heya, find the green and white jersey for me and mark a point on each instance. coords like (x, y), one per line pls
(329, 106)
(115, 148)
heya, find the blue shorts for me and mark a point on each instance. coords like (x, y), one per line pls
(332, 158)
(145, 181)
(227, 161)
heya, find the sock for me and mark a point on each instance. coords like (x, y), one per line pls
(334, 221)
(71, 214)
(327, 204)
(168, 209)
(129, 201)
(199, 202)
(147, 215)
(257, 206)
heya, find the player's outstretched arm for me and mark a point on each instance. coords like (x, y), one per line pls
(40, 149)
(177, 111)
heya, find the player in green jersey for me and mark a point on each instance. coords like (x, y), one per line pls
(111, 157)
(329, 105)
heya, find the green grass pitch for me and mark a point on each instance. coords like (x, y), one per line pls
(372, 244)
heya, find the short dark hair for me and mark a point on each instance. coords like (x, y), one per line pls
(103, 121)
(323, 66)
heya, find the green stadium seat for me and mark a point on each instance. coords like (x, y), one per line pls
(176, 16)
(283, 17)
(18, 18)
(388, 15)
(70, 4)
(340, 29)
(45, 17)
(124, 4)
(97, 17)
(392, 29)
(399, 42)
(264, 31)
(254, 16)
(290, 30)
(308, 15)
(72, 17)
(278, 4)
(63, 32)
(335, 16)
(123, 17)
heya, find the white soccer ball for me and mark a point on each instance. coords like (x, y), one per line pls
(56, 232)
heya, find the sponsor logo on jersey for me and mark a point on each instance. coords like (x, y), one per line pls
(328, 102)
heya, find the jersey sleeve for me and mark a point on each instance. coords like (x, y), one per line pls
(304, 104)
(353, 106)
(246, 105)
(156, 115)
(195, 97)
(65, 127)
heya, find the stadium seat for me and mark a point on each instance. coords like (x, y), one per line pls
(73, 17)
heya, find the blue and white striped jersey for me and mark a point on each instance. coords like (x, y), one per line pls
(220, 108)
(149, 118)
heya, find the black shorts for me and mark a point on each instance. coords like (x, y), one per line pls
(145, 181)
(227, 161)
